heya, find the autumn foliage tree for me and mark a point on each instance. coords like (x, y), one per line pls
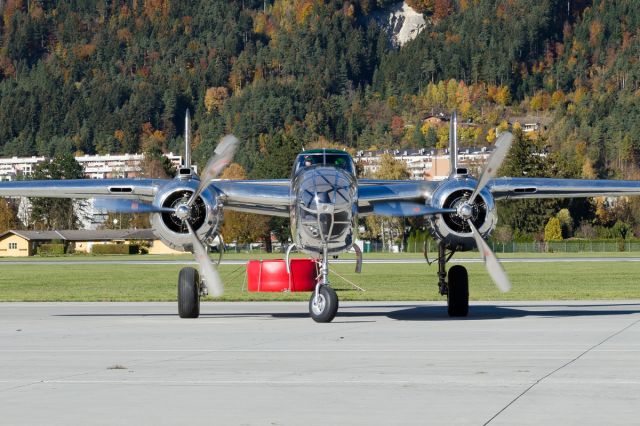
(389, 230)
(8, 215)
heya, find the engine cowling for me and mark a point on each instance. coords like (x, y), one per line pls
(205, 215)
(451, 228)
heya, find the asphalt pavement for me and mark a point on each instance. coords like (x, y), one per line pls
(378, 363)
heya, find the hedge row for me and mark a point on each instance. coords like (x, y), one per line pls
(115, 249)
(51, 249)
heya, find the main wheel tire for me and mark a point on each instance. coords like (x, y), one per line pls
(189, 293)
(327, 307)
(458, 294)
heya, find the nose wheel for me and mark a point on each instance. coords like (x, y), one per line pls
(323, 306)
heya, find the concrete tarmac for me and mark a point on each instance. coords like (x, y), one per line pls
(378, 363)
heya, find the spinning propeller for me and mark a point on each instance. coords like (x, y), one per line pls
(465, 211)
(184, 210)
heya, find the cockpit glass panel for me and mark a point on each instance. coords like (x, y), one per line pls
(338, 160)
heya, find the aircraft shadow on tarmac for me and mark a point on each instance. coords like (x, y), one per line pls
(422, 312)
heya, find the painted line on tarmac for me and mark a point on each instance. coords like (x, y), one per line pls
(437, 380)
(370, 350)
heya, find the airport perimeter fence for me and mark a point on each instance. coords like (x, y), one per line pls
(568, 246)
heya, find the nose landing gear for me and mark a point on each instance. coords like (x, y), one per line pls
(323, 304)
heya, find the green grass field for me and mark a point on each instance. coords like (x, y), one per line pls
(258, 255)
(122, 282)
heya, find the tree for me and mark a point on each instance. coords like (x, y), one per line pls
(155, 165)
(417, 138)
(214, 98)
(57, 213)
(392, 169)
(388, 229)
(503, 234)
(552, 230)
(431, 138)
(525, 216)
(8, 215)
(566, 223)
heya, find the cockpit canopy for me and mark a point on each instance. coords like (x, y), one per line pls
(324, 157)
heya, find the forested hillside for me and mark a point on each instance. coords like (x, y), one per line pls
(117, 76)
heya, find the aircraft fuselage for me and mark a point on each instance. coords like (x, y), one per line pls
(324, 210)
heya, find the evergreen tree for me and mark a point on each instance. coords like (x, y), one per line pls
(56, 213)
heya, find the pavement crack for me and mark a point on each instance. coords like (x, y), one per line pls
(568, 363)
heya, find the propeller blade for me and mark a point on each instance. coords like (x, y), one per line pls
(122, 205)
(503, 144)
(208, 272)
(406, 208)
(491, 262)
(222, 157)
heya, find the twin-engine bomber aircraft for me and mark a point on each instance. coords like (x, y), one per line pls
(323, 200)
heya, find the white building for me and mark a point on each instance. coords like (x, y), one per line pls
(423, 163)
(11, 168)
(95, 166)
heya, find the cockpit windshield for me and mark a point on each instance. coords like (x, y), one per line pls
(340, 160)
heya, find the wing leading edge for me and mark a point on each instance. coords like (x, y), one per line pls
(138, 189)
(514, 188)
(394, 198)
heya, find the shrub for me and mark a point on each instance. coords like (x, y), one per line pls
(114, 249)
(51, 249)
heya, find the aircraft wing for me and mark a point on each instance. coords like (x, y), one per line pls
(254, 196)
(138, 189)
(393, 198)
(513, 188)
(270, 196)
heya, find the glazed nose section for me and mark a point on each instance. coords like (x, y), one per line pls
(325, 202)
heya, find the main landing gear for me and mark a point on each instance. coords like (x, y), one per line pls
(189, 290)
(323, 304)
(456, 288)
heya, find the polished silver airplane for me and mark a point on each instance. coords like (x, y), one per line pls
(323, 200)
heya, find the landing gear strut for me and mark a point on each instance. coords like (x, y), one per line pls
(323, 304)
(456, 288)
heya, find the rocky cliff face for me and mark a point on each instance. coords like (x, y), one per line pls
(402, 23)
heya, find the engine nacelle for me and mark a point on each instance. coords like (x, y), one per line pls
(206, 215)
(452, 229)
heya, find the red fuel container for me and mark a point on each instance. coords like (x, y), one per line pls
(272, 276)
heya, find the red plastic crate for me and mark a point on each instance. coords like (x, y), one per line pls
(272, 276)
